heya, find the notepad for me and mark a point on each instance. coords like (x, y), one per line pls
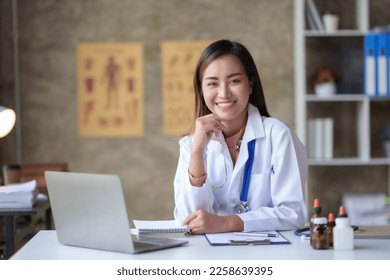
(159, 226)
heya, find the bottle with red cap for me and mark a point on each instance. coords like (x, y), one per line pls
(317, 209)
(329, 230)
(342, 212)
(342, 232)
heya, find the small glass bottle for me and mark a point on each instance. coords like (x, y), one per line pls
(319, 235)
(316, 213)
(329, 230)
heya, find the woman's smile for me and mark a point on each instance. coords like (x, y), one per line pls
(226, 104)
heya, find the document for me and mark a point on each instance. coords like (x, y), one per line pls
(247, 238)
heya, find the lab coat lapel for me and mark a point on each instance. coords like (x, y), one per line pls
(254, 129)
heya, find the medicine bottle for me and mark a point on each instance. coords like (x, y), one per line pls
(343, 234)
(329, 230)
(319, 235)
(316, 213)
(342, 212)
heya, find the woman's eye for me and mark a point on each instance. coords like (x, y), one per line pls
(234, 81)
(211, 84)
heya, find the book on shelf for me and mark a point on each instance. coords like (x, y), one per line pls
(376, 64)
(320, 138)
(159, 227)
(19, 195)
(313, 16)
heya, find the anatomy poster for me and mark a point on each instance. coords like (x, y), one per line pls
(110, 90)
(179, 59)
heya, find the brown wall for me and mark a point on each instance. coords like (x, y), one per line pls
(49, 32)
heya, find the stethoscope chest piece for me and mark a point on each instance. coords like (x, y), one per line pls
(242, 207)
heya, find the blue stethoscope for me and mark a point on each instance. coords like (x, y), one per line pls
(243, 206)
(305, 231)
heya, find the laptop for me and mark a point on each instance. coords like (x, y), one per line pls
(89, 211)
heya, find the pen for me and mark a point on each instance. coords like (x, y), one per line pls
(256, 234)
(251, 242)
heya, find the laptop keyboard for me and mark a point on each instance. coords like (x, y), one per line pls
(142, 245)
(145, 243)
(156, 240)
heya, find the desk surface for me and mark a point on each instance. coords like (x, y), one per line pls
(45, 246)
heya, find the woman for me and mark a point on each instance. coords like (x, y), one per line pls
(232, 120)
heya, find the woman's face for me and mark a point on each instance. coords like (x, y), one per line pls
(226, 88)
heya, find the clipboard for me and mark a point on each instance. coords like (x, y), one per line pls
(250, 238)
(372, 232)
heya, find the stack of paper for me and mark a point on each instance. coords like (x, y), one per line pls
(367, 209)
(22, 195)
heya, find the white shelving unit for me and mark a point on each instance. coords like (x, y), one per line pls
(304, 98)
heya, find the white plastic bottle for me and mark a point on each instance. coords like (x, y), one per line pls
(343, 234)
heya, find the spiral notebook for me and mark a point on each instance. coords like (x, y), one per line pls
(160, 226)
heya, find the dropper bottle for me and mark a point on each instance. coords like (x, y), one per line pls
(329, 230)
(342, 232)
(342, 212)
(317, 209)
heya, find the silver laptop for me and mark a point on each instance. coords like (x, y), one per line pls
(89, 211)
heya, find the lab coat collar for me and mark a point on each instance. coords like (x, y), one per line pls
(254, 130)
(254, 127)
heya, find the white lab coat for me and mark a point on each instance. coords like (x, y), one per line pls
(278, 176)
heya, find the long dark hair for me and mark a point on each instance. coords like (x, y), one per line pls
(216, 50)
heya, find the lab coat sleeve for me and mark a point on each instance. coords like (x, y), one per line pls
(189, 198)
(287, 179)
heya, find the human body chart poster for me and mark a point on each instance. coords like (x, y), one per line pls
(110, 90)
(179, 60)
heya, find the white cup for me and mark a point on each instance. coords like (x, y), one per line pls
(327, 89)
(331, 22)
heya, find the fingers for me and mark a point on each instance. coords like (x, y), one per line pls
(193, 222)
(204, 128)
(209, 123)
(188, 219)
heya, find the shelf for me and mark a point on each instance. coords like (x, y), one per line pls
(349, 162)
(339, 33)
(357, 117)
(344, 97)
(336, 98)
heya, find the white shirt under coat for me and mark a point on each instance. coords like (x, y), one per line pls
(278, 177)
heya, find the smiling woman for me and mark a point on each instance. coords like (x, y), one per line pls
(264, 166)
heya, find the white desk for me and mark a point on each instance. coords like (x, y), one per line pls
(45, 246)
